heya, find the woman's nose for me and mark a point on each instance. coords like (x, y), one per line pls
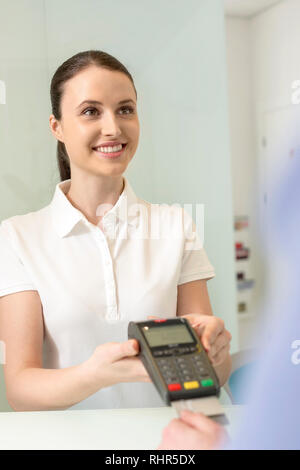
(110, 125)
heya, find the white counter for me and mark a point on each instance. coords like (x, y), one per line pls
(118, 429)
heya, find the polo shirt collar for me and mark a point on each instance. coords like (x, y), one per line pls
(65, 216)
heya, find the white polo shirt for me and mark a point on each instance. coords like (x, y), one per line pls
(92, 282)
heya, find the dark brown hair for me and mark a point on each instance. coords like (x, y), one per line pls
(66, 71)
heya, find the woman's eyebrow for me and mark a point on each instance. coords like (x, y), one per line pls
(99, 102)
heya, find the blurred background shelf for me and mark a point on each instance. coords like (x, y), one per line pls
(245, 274)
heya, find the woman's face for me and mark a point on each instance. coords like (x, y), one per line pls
(84, 126)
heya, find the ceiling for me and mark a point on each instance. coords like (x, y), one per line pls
(247, 8)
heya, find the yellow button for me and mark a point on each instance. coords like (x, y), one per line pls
(194, 384)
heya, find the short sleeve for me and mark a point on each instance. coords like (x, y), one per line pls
(13, 275)
(195, 263)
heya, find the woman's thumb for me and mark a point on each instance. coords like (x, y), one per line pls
(121, 350)
(132, 346)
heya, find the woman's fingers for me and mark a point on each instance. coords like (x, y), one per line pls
(220, 356)
(213, 328)
(221, 341)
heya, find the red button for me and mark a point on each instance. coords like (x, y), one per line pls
(173, 387)
(160, 320)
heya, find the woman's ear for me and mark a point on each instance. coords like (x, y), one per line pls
(55, 127)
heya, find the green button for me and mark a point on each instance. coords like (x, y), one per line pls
(207, 382)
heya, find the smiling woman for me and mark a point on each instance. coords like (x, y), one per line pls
(94, 106)
(98, 80)
(83, 286)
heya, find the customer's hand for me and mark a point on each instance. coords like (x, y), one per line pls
(193, 431)
(112, 363)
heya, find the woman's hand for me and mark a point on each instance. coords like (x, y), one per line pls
(212, 333)
(112, 363)
(193, 431)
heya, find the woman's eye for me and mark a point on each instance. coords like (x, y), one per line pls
(89, 109)
(130, 110)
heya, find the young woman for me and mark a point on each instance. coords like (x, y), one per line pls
(74, 273)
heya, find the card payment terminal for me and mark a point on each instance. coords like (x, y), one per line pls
(178, 365)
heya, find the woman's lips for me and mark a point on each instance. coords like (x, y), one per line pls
(110, 154)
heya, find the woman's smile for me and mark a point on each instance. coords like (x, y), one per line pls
(110, 151)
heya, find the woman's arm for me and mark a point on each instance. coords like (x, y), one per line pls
(193, 298)
(30, 387)
(38, 389)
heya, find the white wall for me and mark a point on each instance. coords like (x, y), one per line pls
(276, 60)
(263, 62)
(177, 58)
(240, 79)
(244, 165)
(276, 43)
(26, 163)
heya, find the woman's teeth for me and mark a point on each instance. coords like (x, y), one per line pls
(109, 149)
